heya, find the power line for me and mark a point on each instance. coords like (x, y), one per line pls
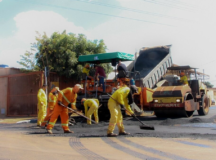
(177, 2)
(104, 14)
(208, 63)
(167, 5)
(133, 10)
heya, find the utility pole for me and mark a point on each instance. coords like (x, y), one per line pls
(203, 75)
(46, 73)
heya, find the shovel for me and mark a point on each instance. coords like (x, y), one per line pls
(77, 112)
(144, 126)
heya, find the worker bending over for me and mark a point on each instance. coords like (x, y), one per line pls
(66, 97)
(42, 104)
(53, 95)
(183, 79)
(93, 105)
(120, 98)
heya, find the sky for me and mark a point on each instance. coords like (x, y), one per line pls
(124, 25)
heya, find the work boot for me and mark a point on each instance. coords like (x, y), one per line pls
(124, 133)
(112, 135)
(68, 131)
(49, 131)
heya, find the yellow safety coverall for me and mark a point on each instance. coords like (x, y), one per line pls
(127, 106)
(93, 105)
(86, 70)
(51, 103)
(184, 80)
(42, 103)
(121, 96)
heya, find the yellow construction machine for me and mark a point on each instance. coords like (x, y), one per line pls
(175, 99)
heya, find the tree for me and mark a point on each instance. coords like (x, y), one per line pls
(60, 52)
(208, 84)
(28, 61)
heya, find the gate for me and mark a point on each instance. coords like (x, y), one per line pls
(22, 94)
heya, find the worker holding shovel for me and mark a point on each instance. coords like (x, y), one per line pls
(66, 97)
(93, 105)
(53, 95)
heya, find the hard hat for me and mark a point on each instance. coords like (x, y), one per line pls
(182, 74)
(55, 89)
(87, 66)
(83, 99)
(77, 87)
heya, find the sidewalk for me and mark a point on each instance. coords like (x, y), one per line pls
(15, 119)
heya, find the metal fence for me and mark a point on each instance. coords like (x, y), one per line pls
(23, 88)
(22, 94)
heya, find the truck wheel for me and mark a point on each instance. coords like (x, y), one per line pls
(204, 106)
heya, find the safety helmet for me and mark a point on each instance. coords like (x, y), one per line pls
(182, 74)
(77, 87)
(87, 66)
(55, 89)
(83, 100)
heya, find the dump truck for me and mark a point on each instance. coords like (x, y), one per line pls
(174, 99)
(151, 64)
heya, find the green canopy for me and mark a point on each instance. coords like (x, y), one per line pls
(106, 57)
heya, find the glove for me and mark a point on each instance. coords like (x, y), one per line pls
(69, 105)
(122, 106)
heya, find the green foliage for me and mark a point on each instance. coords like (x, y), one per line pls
(28, 61)
(208, 84)
(60, 52)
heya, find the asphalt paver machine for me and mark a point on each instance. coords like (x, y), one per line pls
(92, 89)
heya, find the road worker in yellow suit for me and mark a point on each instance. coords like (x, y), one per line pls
(66, 97)
(183, 78)
(120, 98)
(93, 105)
(86, 70)
(53, 95)
(124, 82)
(42, 104)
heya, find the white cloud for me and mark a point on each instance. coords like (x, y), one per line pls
(192, 43)
(27, 24)
(45, 21)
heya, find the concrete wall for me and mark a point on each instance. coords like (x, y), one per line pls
(3, 96)
(9, 71)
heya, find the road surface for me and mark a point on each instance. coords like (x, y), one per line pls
(173, 138)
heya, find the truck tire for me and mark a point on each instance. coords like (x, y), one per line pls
(204, 106)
